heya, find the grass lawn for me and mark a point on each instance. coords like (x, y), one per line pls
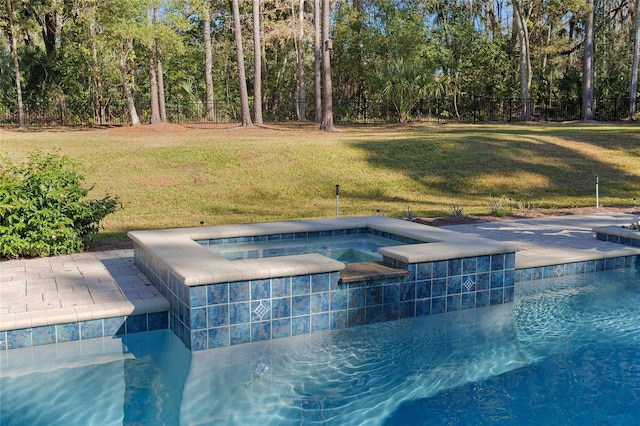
(177, 176)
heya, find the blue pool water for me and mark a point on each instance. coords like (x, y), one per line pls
(354, 248)
(565, 352)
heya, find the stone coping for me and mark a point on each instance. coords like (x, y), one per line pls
(526, 260)
(194, 264)
(618, 231)
(29, 319)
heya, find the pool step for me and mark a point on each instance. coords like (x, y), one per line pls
(369, 271)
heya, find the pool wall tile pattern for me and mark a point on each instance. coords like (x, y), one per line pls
(232, 313)
(83, 330)
(225, 314)
(280, 251)
(584, 267)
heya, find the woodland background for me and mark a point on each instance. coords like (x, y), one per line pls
(105, 62)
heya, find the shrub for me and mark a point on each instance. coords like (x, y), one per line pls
(43, 211)
(497, 206)
(409, 214)
(456, 210)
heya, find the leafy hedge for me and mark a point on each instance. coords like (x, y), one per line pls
(43, 211)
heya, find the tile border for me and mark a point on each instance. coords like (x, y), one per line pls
(226, 314)
(576, 268)
(83, 330)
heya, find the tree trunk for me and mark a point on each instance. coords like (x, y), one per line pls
(317, 60)
(327, 101)
(123, 57)
(153, 82)
(160, 72)
(633, 90)
(161, 95)
(99, 112)
(208, 62)
(588, 102)
(257, 65)
(526, 73)
(50, 32)
(153, 87)
(16, 64)
(301, 90)
(245, 114)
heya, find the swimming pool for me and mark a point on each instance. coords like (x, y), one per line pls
(565, 352)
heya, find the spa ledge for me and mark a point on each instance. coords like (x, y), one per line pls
(177, 251)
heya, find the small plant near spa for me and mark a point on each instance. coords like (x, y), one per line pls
(497, 206)
(456, 210)
(44, 210)
(525, 204)
(409, 214)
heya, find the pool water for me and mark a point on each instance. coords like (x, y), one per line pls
(565, 352)
(354, 248)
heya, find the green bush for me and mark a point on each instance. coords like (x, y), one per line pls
(43, 211)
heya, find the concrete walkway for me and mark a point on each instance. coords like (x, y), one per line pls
(554, 240)
(96, 285)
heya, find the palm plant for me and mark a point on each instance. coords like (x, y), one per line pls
(404, 84)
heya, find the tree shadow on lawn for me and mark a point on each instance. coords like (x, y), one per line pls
(471, 162)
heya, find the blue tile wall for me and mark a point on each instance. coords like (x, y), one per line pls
(304, 236)
(218, 315)
(108, 327)
(575, 268)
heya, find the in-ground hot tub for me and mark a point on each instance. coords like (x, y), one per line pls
(218, 301)
(345, 245)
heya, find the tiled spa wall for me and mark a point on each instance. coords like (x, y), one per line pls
(217, 315)
(284, 251)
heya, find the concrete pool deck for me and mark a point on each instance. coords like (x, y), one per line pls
(88, 286)
(556, 239)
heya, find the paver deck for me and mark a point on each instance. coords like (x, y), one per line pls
(73, 288)
(95, 285)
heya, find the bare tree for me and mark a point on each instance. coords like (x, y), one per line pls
(317, 47)
(633, 90)
(99, 107)
(327, 101)
(159, 71)
(245, 114)
(153, 81)
(16, 63)
(208, 59)
(124, 50)
(301, 90)
(526, 73)
(257, 64)
(588, 110)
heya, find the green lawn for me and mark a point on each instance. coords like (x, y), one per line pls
(180, 176)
